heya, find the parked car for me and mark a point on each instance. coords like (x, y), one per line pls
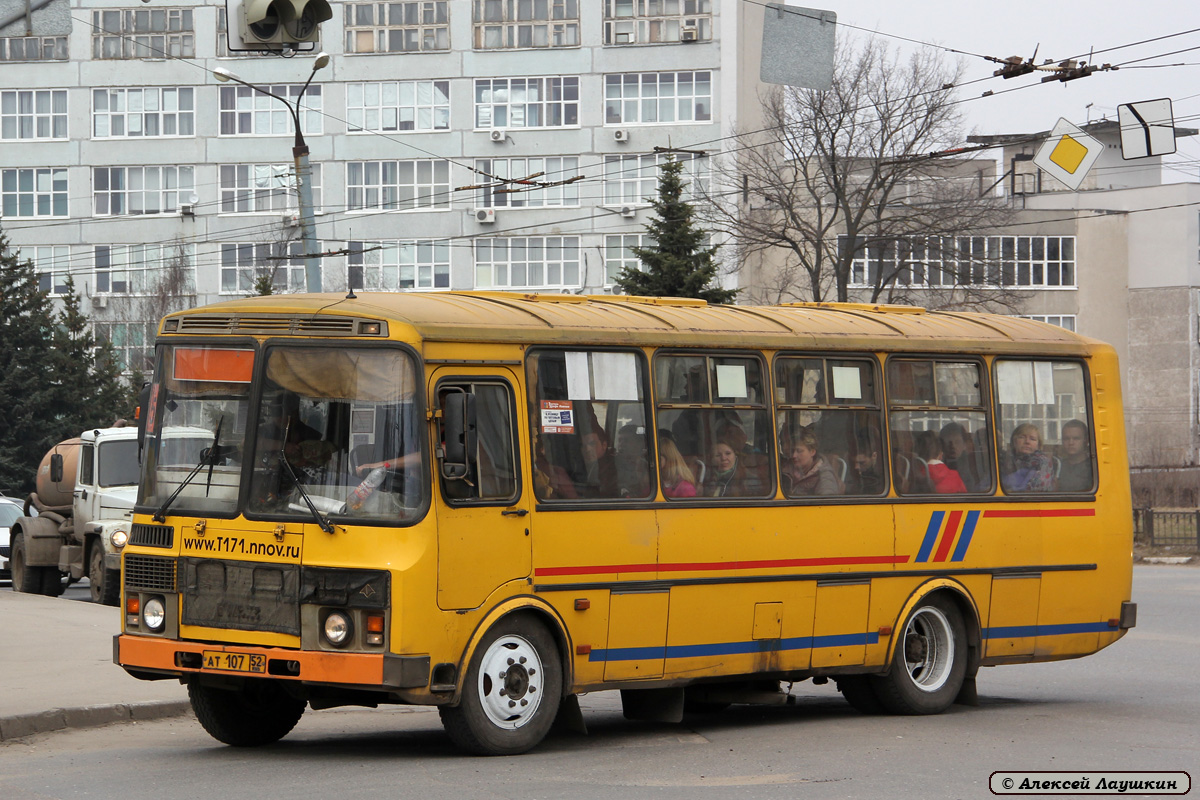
(10, 512)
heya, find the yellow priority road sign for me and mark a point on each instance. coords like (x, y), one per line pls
(1068, 154)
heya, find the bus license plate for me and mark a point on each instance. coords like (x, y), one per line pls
(234, 662)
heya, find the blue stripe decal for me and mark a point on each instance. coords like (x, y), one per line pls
(733, 648)
(931, 534)
(1022, 631)
(964, 540)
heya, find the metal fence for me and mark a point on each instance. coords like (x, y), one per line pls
(1155, 527)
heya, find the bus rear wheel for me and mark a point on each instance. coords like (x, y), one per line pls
(512, 691)
(257, 713)
(930, 661)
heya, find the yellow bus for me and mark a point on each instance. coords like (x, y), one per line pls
(493, 502)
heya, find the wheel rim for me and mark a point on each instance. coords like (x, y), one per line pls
(510, 682)
(928, 649)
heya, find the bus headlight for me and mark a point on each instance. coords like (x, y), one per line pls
(119, 539)
(338, 628)
(154, 614)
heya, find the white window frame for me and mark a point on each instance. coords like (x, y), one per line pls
(553, 169)
(618, 254)
(382, 185)
(1065, 321)
(243, 262)
(632, 180)
(639, 98)
(656, 21)
(499, 260)
(36, 190)
(245, 112)
(172, 184)
(398, 106)
(143, 33)
(33, 115)
(522, 25)
(129, 341)
(1011, 262)
(399, 265)
(130, 269)
(52, 264)
(141, 108)
(506, 102)
(430, 32)
(264, 188)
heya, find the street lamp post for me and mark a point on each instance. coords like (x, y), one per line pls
(312, 263)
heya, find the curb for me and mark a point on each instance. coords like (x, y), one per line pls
(22, 725)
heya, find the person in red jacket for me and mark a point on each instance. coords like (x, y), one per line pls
(943, 479)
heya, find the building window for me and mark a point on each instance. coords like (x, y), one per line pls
(52, 263)
(33, 114)
(397, 27)
(136, 268)
(260, 188)
(143, 33)
(534, 262)
(140, 190)
(1021, 262)
(657, 21)
(398, 106)
(247, 112)
(33, 192)
(1061, 320)
(397, 185)
(647, 97)
(618, 254)
(395, 265)
(132, 343)
(549, 170)
(127, 113)
(633, 179)
(510, 24)
(244, 263)
(526, 102)
(34, 48)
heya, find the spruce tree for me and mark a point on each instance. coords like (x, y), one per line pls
(678, 264)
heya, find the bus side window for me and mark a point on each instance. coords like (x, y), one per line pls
(1042, 415)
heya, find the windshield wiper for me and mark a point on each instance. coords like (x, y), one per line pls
(321, 521)
(207, 458)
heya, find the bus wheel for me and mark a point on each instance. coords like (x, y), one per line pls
(259, 712)
(512, 691)
(930, 661)
(859, 692)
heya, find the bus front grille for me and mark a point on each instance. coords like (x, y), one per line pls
(150, 573)
(152, 535)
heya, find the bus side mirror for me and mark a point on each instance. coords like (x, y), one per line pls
(459, 429)
(56, 468)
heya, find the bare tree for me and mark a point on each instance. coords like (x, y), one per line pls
(169, 287)
(841, 198)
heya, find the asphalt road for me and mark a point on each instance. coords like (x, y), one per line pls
(1133, 706)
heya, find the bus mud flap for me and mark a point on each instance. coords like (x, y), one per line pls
(653, 705)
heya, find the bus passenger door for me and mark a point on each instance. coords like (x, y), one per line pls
(482, 517)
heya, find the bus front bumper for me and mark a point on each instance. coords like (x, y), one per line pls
(149, 658)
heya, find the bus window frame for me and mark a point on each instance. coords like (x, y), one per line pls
(766, 375)
(1089, 406)
(986, 396)
(647, 378)
(461, 381)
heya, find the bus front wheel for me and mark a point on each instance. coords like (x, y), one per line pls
(257, 713)
(930, 661)
(512, 690)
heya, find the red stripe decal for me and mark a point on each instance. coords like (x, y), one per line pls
(724, 566)
(1043, 512)
(948, 536)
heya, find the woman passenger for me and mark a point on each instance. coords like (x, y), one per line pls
(678, 480)
(728, 476)
(1027, 468)
(809, 473)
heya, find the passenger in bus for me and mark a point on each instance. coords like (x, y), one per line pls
(727, 474)
(633, 473)
(868, 470)
(550, 481)
(600, 480)
(942, 479)
(678, 480)
(1075, 473)
(1026, 468)
(959, 455)
(809, 473)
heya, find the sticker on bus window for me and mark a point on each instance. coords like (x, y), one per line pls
(579, 376)
(846, 383)
(731, 380)
(557, 417)
(615, 375)
(1025, 382)
(213, 364)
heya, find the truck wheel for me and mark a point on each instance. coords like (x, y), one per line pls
(105, 584)
(27, 579)
(511, 693)
(257, 713)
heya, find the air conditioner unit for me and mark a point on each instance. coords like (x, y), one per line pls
(485, 216)
(628, 212)
(99, 301)
(187, 209)
(497, 135)
(687, 35)
(620, 135)
(291, 220)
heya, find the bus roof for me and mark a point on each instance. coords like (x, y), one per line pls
(621, 320)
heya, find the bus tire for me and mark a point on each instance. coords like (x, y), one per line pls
(930, 661)
(104, 584)
(257, 713)
(512, 690)
(859, 691)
